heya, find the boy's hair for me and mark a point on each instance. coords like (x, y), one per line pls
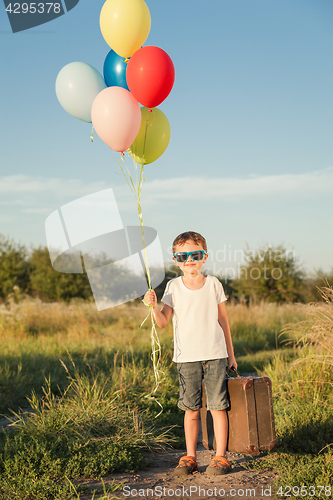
(189, 235)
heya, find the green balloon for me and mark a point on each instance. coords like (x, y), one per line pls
(153, 137)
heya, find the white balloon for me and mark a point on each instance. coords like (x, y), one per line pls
(76, 87)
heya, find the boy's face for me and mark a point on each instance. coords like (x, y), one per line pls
(190, 267)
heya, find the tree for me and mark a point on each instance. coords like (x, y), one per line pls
(49, 284)
(271, 274)
(14, 267)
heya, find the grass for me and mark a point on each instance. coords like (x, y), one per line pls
(88, 432)
(35, 335)
(86, 375)
(259, 327)
(304, 407)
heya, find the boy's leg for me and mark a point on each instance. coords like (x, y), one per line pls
(190, 380)
(220, 464)
(217, 402)
(191, 427)
(220, 421)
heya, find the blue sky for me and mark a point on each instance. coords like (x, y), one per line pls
(250, 159)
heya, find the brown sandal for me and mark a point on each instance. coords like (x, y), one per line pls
(186, 466)
(219, 465)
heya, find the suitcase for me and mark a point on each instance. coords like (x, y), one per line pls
(250, 416)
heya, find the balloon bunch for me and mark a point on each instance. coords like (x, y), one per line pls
(133, 74)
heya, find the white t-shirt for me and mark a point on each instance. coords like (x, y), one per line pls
(197, 333)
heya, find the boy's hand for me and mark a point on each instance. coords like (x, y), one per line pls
(232, 363)
(151, 298)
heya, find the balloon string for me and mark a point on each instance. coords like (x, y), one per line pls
(159, 375)
(144, 143)
(92, 135)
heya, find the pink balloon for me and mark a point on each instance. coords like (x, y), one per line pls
(116, 117)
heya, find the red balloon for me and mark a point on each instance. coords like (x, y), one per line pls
(150, 75)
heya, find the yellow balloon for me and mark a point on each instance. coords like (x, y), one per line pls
(125, 25)
(153, 137)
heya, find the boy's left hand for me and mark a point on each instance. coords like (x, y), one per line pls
(231, 363)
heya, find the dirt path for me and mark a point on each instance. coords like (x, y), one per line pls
(159, 481)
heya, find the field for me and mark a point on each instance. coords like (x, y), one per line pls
(87, 374)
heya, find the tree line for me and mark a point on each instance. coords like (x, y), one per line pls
(269, 273)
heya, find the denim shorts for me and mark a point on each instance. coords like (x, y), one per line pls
(213, 373)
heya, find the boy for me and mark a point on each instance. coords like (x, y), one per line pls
(202, 345)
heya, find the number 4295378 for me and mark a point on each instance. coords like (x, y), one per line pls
(302, 491)
(34, 8)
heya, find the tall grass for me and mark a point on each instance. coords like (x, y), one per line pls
(259, 326)
(310, 375)
(89, 373)
(80, 320)
(304, 403)
(88, 432)
(35, 335)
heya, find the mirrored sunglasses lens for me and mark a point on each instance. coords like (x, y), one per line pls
(182, 257)
(197, 255)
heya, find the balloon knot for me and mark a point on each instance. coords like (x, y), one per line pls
(122, 153)
(126, 60)
(150, 110)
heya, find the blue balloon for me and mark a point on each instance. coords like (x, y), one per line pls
(114, 70)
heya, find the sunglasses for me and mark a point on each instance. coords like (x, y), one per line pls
(183, 256)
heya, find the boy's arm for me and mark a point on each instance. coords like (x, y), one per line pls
(223, 320)
(162, 316)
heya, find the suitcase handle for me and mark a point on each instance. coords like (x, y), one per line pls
(232, 370)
